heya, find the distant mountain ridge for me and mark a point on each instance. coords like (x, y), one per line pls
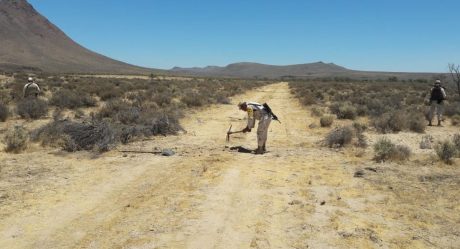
(30, 42)
(308, 70)
(251, 70)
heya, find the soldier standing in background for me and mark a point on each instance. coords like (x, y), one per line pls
(31, 89)
(437, 97)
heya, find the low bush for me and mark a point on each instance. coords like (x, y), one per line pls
(446, 150)
(4, 112)
(308, 99)
(456, 142)
(316, 111)
(344, 111)
(222, 99)
(193, 99)
(452, 108)
(32, 108)
(326, 121)
(69, 99)
(110, 93)
(390, 122)
(426, 142)
(112, 108)
(16, 139)
(362, 110)
(402, 153)
(163, 99)
(417, 122)
(73, 136)
(361, 140)
(455, 120)
(359, 127)
(339, 137)
(385, 150)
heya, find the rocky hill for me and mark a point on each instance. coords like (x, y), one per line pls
(30, 42)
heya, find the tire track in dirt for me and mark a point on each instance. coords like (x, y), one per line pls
(205, 197)
(256, 212)
(299, 195)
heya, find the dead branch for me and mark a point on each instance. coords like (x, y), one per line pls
(455, 74)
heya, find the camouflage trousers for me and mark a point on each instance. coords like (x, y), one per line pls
(262, 129)
(436, 108)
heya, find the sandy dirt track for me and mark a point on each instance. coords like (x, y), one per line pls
(299, 195)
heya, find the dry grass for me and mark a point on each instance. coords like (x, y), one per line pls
(16, 139)
(32, 108)
(446, 151)
(4, 112)
(326, 121)
(135, 107)
(391, 107)
(385, 150)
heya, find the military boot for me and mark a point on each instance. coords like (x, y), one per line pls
(264, 148)
(439, 123)
(429, 123)
(259, 150)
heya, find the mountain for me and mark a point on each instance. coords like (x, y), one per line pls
(252, 70)
(308, 70)
(30, 42)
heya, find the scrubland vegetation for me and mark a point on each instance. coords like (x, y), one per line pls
(386, 107)
(391, 106)
(101, 112)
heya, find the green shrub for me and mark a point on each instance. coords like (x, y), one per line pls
(385, 150)
(446, 150)
(4, 112)
(326, 121)
(32, 108)
(339, 137)
(16, 139)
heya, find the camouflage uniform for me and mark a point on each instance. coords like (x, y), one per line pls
(31, 90)
(437, 97)
(257, 112)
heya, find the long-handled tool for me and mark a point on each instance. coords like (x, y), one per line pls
(230, 132)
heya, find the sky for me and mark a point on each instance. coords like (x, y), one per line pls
(371, 35)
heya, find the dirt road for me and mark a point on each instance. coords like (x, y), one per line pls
(299, 195)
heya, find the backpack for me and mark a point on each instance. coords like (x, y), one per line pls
(269, 110)
(436, 94)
